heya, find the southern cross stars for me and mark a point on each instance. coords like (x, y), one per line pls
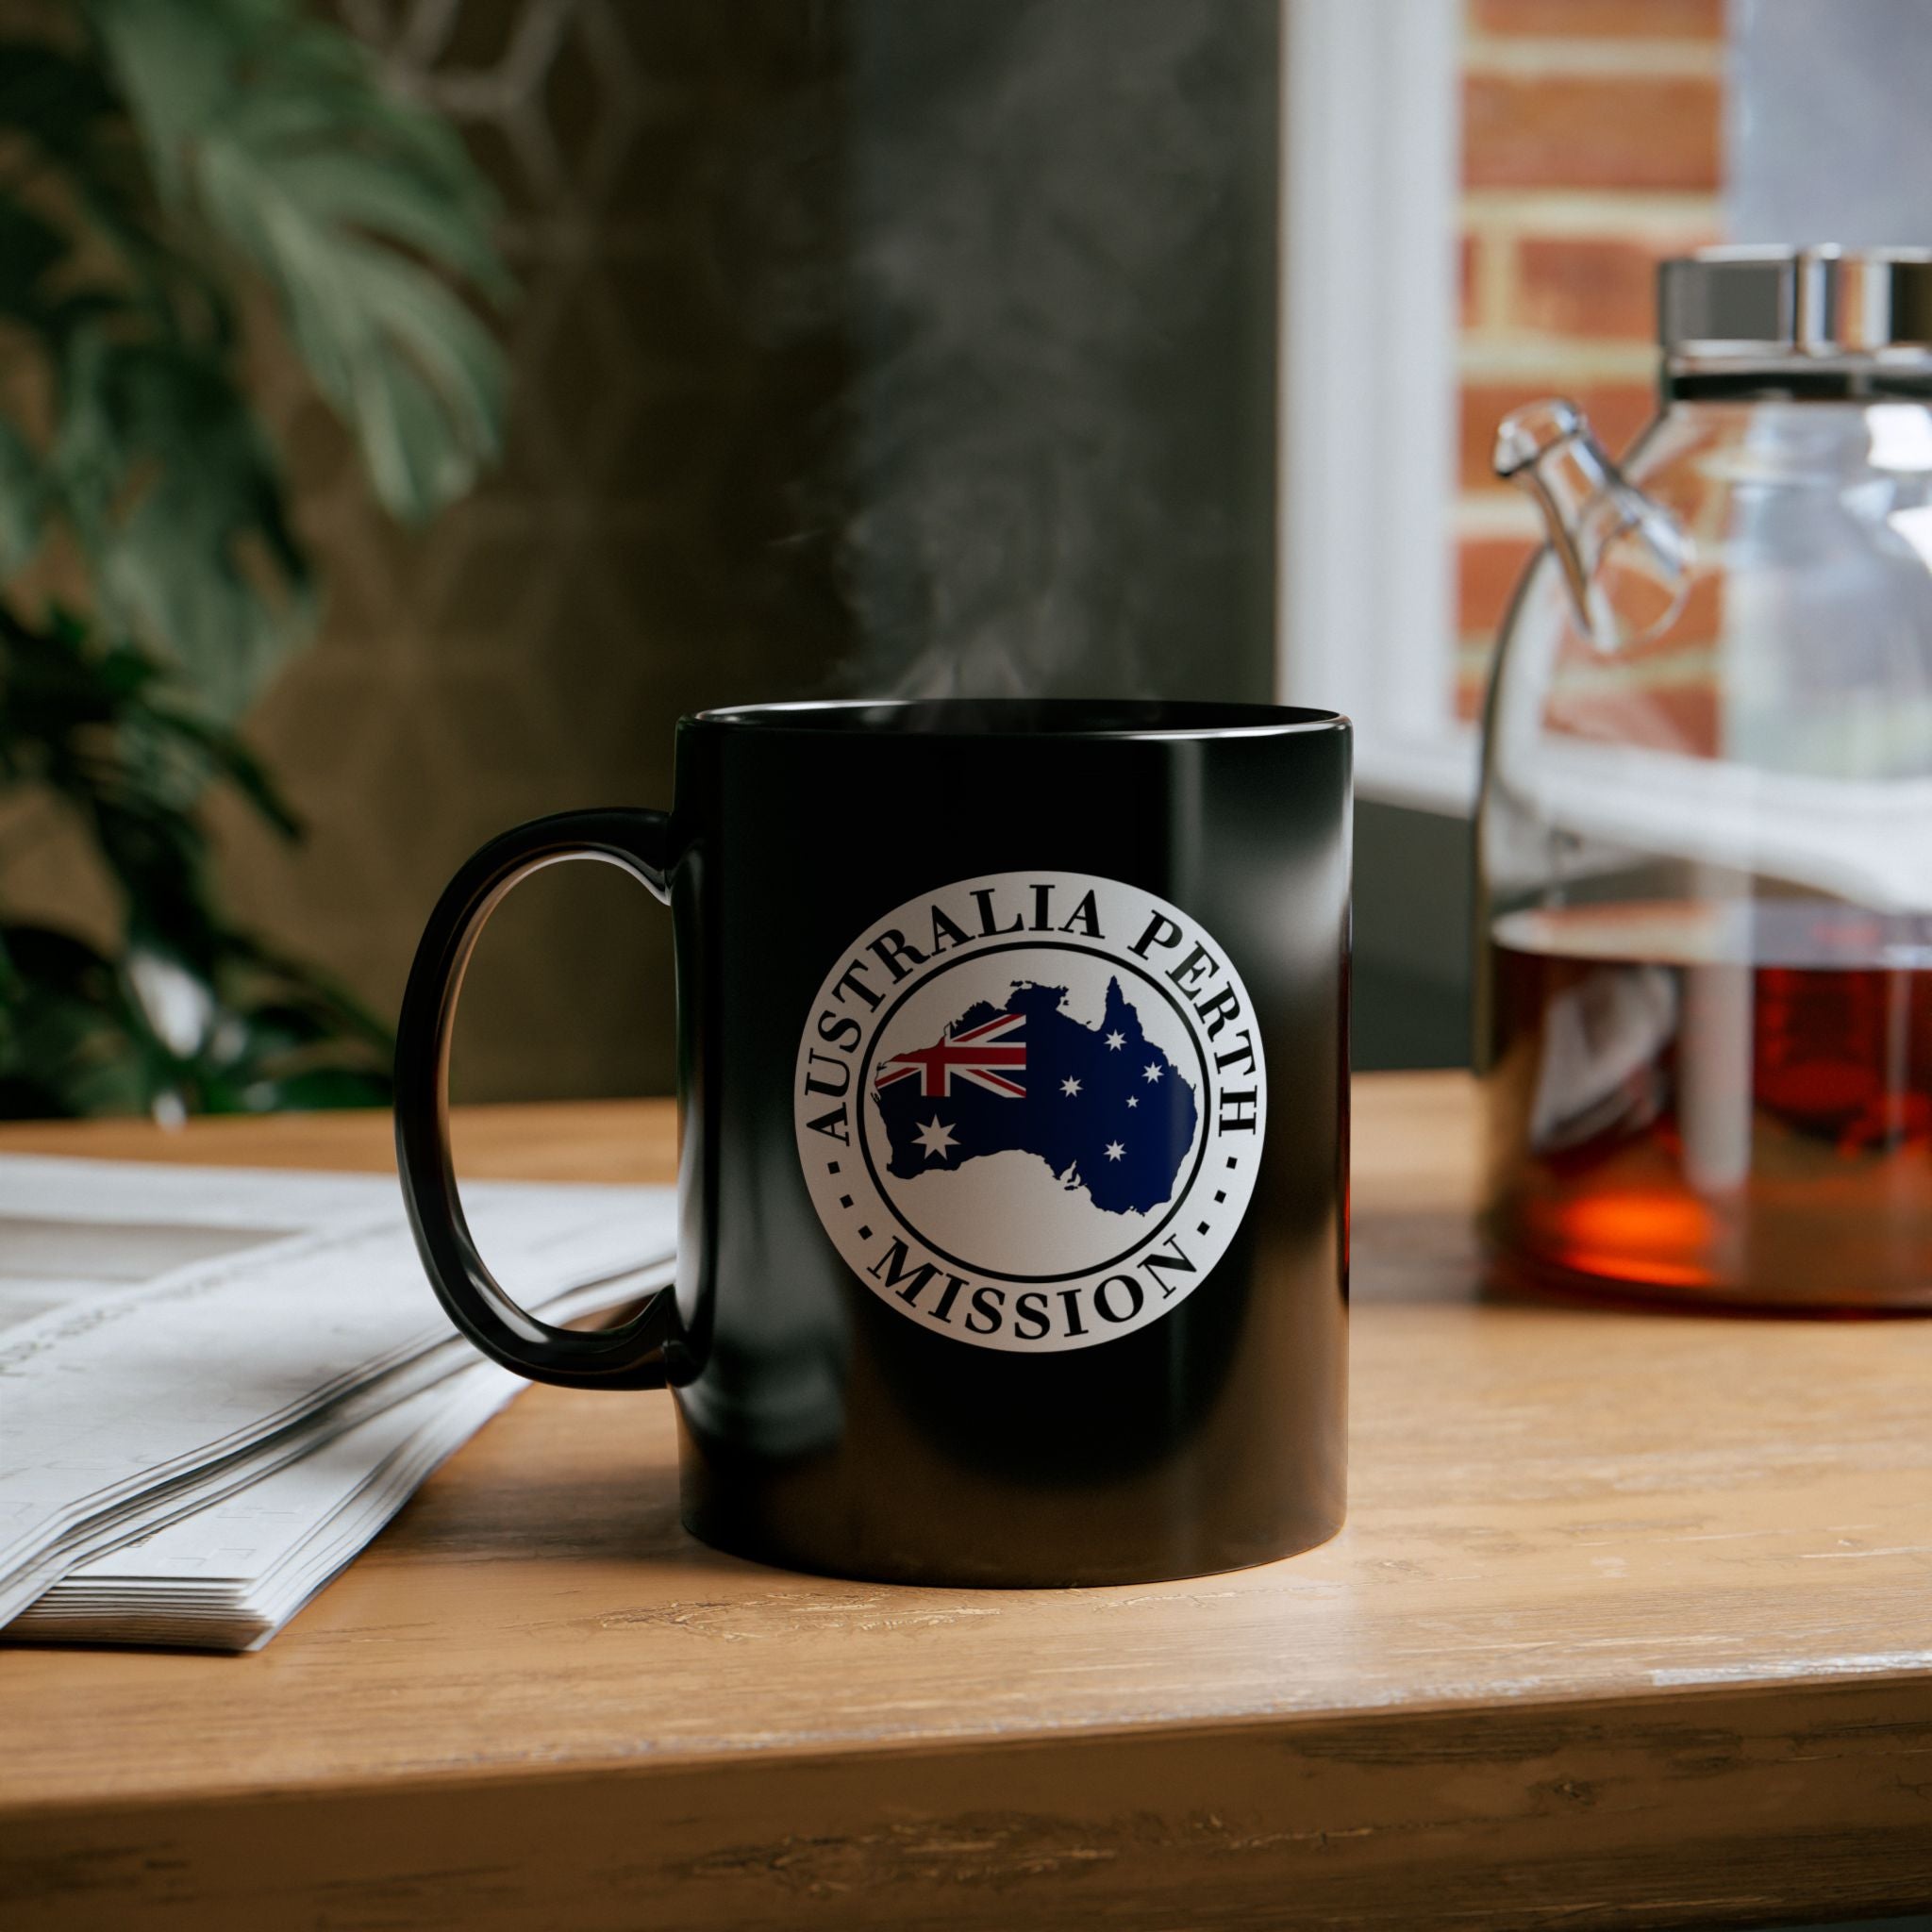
(1116, 1041)
(1151, 1072)
(1133, 1100)
(1114, 1150)
(1070, 1086)
(935, 1138)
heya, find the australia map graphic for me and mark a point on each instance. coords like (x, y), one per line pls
(1104, 1106)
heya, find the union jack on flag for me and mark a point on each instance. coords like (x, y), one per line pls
(977, 1054)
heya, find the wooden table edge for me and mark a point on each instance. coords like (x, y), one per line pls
(1599, 1713)
(1507, 1816)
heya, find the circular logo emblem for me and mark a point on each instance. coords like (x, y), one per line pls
(1031, 1108)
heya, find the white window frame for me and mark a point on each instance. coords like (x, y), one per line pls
(1370, 308)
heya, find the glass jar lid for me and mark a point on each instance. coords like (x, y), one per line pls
(1777, 306)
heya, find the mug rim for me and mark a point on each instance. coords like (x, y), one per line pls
(1025, 718)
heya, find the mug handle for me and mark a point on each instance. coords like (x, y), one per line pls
(629, 1356)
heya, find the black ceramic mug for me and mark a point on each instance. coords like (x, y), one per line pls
(1013, 1083)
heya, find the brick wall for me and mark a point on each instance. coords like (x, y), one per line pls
(1592, 147)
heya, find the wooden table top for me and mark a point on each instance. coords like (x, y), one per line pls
(1631, 1624)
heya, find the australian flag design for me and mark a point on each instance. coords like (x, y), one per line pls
(1105, 1108)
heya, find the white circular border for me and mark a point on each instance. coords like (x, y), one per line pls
(861, 1221)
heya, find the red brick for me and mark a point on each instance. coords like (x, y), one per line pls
(1698, 625)
(1466, 271)
(1678, 718)
(1487, 571)
(1572, 130)
(1690, 635)
(1617, 411)
(1576, 287)
(1661, 20)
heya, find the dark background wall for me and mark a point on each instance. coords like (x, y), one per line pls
(1412, 952)
(643, 551)
(1061, 286)
(863, 347)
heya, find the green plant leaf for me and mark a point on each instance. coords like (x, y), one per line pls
(53, 97)
(73, 130)
(174, 64)
(23, 500)
(29, 249)
(175, 498)
(229, 758)
(65, 1048)
(313, 1088)
(351, 201)
(157, 150)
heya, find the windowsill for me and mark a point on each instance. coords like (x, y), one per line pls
(1436, 773)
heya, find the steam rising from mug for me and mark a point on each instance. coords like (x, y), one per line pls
(1055, 447)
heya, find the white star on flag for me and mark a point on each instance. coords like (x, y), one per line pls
(935, 1138)
(1153, 1071)
(1116, 1041)
(1114, 1150)
(1070, 1086)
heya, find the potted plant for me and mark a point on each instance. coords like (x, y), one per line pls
(171, 171)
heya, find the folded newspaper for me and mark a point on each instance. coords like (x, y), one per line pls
(216, 1384)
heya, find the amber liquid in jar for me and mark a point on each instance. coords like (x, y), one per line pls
(1713, 1103)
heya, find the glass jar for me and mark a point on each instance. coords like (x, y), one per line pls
(1705, 835)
